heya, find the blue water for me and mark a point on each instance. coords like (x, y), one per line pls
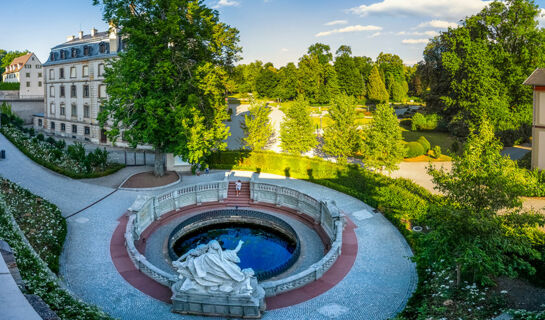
(263, 248)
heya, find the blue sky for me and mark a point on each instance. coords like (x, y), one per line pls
(277, 31)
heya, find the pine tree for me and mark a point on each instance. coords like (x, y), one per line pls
(376, 91)
(257, 127)
(383, 145)
(297, 134)
(341, 138)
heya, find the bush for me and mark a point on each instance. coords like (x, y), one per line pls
(51, 141)
(31, 132)
(60, 144)
(425, 143)
(76, 152)
(10, 85)
(98, 158)
(436, 152)
(425, 122)
(40, 137)
(414, 149)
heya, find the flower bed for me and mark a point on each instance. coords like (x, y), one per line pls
(53, 157)
(36, 217)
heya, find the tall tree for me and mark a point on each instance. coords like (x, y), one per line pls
(257, 127)
(383, 145)
(341, 138)
(288, 82)
(267, 81)
(167, 88)
(297, 133)
(348, 76)
(376, 91)
(322, 52)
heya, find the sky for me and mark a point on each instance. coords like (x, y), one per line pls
(277, 31)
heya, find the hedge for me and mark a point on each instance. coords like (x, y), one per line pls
(10, 86)
(425, 143)
(414, 149)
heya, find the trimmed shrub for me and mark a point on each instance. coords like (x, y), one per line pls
(425, 143)
(414, 149)
(425, 122)
(10, 86)
(435, 152)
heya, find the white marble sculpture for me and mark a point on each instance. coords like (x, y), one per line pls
(211, 270)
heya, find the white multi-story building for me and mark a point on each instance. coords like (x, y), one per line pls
(74, 75)
(27, 70)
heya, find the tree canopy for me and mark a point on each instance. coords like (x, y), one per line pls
(341, 139)
(297, 134)
(167, 87)
(257, 127)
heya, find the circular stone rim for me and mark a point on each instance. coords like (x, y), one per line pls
(222, 216)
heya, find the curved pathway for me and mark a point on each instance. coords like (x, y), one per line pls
(377, 287)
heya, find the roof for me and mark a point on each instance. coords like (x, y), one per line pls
(86, 48)
(19, 60)
(537, 78)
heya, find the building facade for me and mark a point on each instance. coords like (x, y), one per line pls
(537, 80)
(26, 70)
(74, 88)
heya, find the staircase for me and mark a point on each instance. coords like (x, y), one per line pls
(243, 199)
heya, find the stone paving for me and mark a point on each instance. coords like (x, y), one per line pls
(377, 287)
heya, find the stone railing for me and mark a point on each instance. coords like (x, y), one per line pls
(323, 213)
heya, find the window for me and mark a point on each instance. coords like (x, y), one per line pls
(51, 74)
(74, 110)
(74, 128)
(61, 73)
(86, 51)
(86, 111)
(52, 125)
(101, 69)
(73, 93)
(63, 127)
(86, 91)
(51, 91)
(87, 131)
(39, 74)
(74, 52)
(102, 47)
(52, 56)
(39, 83)
(102, 91)
(38, 66)
(40, 122)
(28, 84)
(52, 108)
(32, 58)
(28, 66)
(27, 74)
(61, 94)
(62, 110)
(85, 71)
(72, 72)
(63, 54)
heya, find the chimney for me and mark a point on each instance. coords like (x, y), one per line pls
(80, 35)
(93, 32)
(70, 38)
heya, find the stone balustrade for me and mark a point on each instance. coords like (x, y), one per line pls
(324, 213)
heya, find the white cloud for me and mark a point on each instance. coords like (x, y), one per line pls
(226, 3)
(335, 22)
(284, 49)
(355, 28)
(432, 8)
(418, 33)
(374, 35)
(438, 24)
(414, 41)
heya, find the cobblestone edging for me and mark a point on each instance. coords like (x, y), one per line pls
(323, 213)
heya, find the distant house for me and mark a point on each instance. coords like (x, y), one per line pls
(537, 80)
(27, 70)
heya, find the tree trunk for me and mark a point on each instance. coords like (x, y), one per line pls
(159, 164)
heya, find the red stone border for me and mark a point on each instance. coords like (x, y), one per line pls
(145, 284)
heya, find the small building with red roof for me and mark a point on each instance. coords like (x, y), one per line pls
(26, 70)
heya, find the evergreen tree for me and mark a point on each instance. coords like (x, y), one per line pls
(297, 133)
(257, 127)
(156, 94)
(376, 91)
(341, 138)
(288, 82)
(267, 81)
(348, 76)
(383, 145)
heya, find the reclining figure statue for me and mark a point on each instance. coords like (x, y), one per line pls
(209, 269)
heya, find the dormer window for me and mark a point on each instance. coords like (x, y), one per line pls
(102, 47)
(52, 57)
(86, 51)
(63, 54)
(74, 52)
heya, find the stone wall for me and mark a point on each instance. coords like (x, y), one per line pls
(24, 108)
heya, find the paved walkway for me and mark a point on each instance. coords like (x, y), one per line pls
(377, 287)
